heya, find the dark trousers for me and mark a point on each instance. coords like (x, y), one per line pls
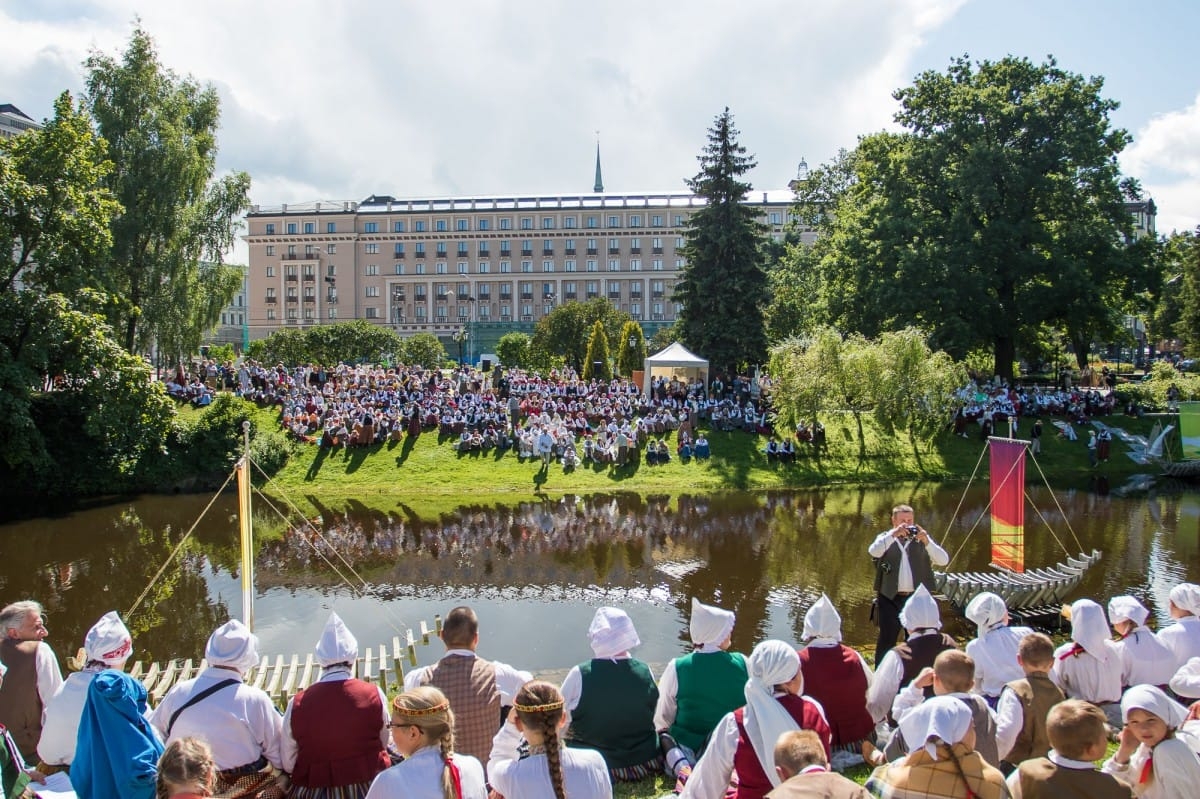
(887, 616)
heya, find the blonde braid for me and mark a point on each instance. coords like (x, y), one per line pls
(446, 743)
(544, 712)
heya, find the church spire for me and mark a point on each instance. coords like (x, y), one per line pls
(599, 187)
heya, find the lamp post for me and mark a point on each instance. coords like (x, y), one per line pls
(471, 319)
(459, 337)
(633, 340)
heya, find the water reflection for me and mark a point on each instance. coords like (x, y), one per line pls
(536, 570)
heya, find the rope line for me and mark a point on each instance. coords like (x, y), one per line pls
(961, 500)
(1066, 520)
(1047, 523)
(178, 547)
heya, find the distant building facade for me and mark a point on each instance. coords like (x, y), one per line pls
(14, 122)
(233, 326)
(484, 265)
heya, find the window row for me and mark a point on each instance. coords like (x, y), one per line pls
(570, 222)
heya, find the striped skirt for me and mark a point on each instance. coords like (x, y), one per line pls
(637, 773)
(356, 791)
(259, 785)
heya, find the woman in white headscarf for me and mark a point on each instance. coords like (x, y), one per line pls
(107, 646)
(1145, 659)
(610, 700)
(995, 649)
(335, 732)
(1183, 637)
(943, 763)
(238, 721)
(744, 740)
(1089, 668)
(837, 677)
(698, 689)
(1154, 757)
(922, 620)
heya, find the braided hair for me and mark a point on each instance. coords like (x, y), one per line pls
(428, 709)
(186, 766)
(544, 721)
(958, 767)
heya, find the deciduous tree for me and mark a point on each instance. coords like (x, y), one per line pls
(597, 366)
(513, 350)
(565, 330)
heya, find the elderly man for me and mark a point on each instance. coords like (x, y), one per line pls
(476, 688)
(239, 721)
(33, 674)
(107, 646)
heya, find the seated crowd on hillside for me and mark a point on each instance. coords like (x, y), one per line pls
(1009, 715)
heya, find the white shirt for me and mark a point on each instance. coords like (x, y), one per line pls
(883, 687)
(1010, 720)
(584, 772)
(508, 679)
(904, 578)
(61, 717)
(1014, 779)
(289, 750)
(1086, 677)
(995, 656)
(1176, 770)
(1145, 659)
(668, 691)
(1182, 638)
(239, 722)
(420, 777)
(572, 686)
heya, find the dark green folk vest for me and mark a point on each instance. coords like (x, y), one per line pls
(711, 684)
(615, 715)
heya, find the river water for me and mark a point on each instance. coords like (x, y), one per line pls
(535, 572)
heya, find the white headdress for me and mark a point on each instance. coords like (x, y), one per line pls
(822, 621)
(337, 644)
(1186, 596)
(942, 718)
(1089, 628)
(710, 625)
(988, 611)
(1126, 608)
(921, 612)
(1153, 700)
(232, 645)
(109, 641)
(612, 633)
(771, 663)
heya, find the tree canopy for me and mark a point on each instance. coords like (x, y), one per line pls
(722, 287)
(566, 330)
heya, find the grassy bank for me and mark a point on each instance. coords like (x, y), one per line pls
(429, 476)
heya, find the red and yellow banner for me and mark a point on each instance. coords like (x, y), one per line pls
(1007, 461)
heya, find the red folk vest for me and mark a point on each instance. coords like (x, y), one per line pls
(337, 727)
(834, 677)
(753, 782)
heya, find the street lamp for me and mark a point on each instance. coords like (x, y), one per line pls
(459, 337)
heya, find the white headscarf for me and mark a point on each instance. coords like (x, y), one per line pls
(1089, 628)
(1186, 596)
(337, 644)
(921, 612)
(109, 641)
(710, 625)
(1186, 682)
(945, 718)
(233, 645)
(988, 611)
(771, 663)
(1126, 608)
(822, 621)
(612, 633)
(1153, 700)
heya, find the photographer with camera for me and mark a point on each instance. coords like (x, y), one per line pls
(904, 558)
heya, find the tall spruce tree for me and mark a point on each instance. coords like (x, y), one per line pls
(722, 288)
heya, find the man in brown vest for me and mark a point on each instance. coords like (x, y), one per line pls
(33, 674)
(800, 762)
(477, 688)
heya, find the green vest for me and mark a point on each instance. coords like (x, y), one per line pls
(711, 684)
(615, 714)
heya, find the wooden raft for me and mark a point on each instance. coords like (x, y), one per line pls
(282, 678)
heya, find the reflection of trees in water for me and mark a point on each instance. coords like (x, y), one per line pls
(81, 573)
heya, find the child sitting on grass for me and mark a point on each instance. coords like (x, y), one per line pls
(1078, 733)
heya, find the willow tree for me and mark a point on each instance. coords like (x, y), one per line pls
(161, 133)
(723, 286)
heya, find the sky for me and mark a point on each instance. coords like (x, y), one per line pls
(336, 101)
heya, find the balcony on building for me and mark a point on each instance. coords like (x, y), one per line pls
(547, 251)
(635, 250)
(592, 251)
(526, 253)
(399, 256)
(270, 300)
(570, 251)
(591, 295)
(309, 277)
(614, 250)
(292, 278)
(614, 295)
(569, 295)
(656, 250)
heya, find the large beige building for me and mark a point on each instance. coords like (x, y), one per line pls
(484, 266)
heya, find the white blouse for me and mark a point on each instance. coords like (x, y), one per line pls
(420, 777)
(585, 775)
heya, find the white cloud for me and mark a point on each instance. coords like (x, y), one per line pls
(1165, 156)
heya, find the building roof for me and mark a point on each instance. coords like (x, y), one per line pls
(9, 108)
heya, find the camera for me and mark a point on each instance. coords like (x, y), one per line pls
(913, 530)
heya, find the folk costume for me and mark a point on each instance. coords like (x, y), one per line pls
(610, 700)
(1090, 667)
(837, 677)
(1021, 717)
(1183, 637)
(817, 782)
(107, 646)
(901, 665)
(1145, 659)
(1169, 770)
(335, 734)
(117, 751)
(1058, 777)
(995, 650)
(238, 721)
(584, 772)
(420, 777)
(698, 689)
(33, 679)
(744, 740)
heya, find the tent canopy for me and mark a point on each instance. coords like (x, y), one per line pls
(674, 361)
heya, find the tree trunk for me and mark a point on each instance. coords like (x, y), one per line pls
(1006, 350)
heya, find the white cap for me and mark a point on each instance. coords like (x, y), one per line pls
(233, 645)
(337, 644)
(987, 610)
(822, 621)
(612, 633)
(921, 612)
(710, 625)
(944, 718)
(109, 641)
(1126, 608)
(1151, 699)
(1186, 596)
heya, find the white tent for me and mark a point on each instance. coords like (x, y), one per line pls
(674, 361)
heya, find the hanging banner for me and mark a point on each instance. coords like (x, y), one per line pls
(1189, 430)
(1007, 462)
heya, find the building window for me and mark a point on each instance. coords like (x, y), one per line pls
(592, 222)
(505, 313)
(657, 310)
(678, 220)
(485, 313)
(547, 266)
(656, 264)
(614, 246)
(440, 313)
(526, 266)
(330, 249)
(420, 269)
(569, 222)
(291, 228)
(614, 264)
(372, 291)
(527, 223)
(462, 224)
(270, 314)
(372, 313)
(635, 264)
(462, 249)
(372, 270)
(420, 313)
(440, 225)
(441, 249)
(270, 293)
(309, 313)
(505, 267)
(371, 249)
(679, 263)
(398, 249)
(484, 267)
(270, 229)
(776, 218)
(420, 250)
(569, 265)
(309, 227)
(419, 226)
(270, 249)
(419, 292)
(331, 270)
(547, 247)
(505, 223)
(635, 220)
(614, 221)
(679, 243)
(526, 246)
(593, 289)
(399, 268)
(332, 313)
(462, 313)
(591, 246)
(370, 227)
(440, 267)
(462, 267)
(484, 224)
(398, 226)
(656, 221)
(591, 265)
(310, 249)
(635, 310)
(547, 223)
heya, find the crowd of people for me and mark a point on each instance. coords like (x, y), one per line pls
(1008, 715)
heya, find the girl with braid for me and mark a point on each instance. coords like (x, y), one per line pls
(186, 770)
(423, 732)
(550, 771)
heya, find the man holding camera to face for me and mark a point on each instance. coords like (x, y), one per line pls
(904, 558)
